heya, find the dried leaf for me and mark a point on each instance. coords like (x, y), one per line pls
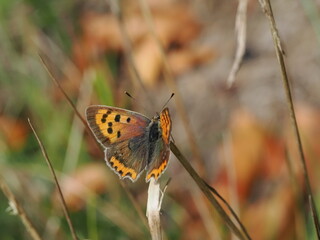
(185, 59)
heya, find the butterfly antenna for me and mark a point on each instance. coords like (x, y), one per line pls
(172, 94)
(129, 95)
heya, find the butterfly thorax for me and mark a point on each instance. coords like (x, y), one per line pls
(154, 134)
(154, 131)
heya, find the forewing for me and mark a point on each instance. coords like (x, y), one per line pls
(123, 135)
(158, 160)
(112, 125)
(165, 124)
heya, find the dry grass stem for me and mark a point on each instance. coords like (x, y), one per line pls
(300, 229)
(231, 171)
(19, 210)
(127, 224)
(136, 205)
(202, 207)
(207, 191)
(63, 203)
(76, 133)
(138, 209)
(60, 88)
(267, 9)
(153, 209)
(241, 32)
(233, 213)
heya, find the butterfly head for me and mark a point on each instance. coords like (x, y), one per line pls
(156, 117)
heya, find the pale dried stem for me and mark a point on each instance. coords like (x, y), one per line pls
(241, 32)
(153, 209)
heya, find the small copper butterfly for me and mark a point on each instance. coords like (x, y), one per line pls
(132, 142)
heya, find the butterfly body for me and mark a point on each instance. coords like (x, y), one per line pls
(132, 141)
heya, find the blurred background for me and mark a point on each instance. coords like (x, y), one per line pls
(238, 138)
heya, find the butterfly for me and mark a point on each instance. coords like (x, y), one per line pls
(132, 142)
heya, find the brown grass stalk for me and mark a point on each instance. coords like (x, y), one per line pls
(63, 203)
(267, 9)
(129, 194)
(19, 210)
(207, 191)
(241, 234)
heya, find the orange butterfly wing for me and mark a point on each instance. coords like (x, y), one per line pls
(132, 141)
(112, 125)
(160, 157)
(123, 134)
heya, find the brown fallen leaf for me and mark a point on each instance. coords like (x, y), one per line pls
(273, 216)
(247, 143)
(185, 59)
(174, 24)
(148, 61)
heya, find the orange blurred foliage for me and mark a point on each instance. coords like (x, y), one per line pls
(89, 179)
(267, 190)
(174, 24)
(13, 131)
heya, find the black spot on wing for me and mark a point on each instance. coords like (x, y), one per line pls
(104, 118)
(117, 118)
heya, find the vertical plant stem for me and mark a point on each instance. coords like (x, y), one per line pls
(207, 192)
(19, 210)
(86, 125)
(231, 171)
(153, 209)
(241, 32)
(266, 7)
(76, 133)
(135, 204)
(63, 203)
